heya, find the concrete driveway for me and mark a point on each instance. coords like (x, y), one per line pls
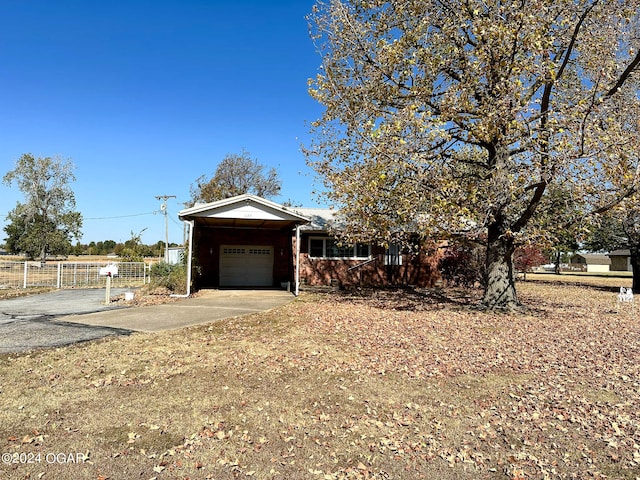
(70, 316)
(210, 305)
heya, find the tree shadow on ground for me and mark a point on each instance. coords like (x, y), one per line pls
(577, 283)
(409, 298)
(417, 299)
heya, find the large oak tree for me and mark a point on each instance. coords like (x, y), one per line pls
(460, 116)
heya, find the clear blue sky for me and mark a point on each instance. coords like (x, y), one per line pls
(144, 96)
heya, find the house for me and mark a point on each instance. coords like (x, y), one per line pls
(621, 260)
(324, 262)
(590, 262)
(248, 241)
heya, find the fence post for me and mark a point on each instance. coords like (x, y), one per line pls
(24, 284)
(59, 274)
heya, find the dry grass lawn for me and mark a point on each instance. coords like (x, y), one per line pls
(387, 385)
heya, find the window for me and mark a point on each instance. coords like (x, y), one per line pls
(327, 247)
(393, 255)
(259, 251)
(232, 251)
(316, 247)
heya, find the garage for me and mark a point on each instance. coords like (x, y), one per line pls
(243, 241)
(246, 266)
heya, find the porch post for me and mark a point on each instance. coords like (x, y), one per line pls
(297, 276)
(190, 259)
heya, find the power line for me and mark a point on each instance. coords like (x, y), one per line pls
(123, 216)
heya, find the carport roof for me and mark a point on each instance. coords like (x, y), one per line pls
(243, 211)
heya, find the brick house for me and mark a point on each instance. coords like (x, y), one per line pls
(248, 241)
(324, 262)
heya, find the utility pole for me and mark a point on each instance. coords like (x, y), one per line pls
(163, 208)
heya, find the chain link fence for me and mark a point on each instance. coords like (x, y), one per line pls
(71, 274)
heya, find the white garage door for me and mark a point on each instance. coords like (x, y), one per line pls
(246, 266)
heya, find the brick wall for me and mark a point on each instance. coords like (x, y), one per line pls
(419, 270)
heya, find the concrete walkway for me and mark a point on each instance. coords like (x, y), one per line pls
(210, 305)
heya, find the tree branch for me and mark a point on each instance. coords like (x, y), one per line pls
(625, 75)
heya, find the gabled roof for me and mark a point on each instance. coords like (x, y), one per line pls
(243, 211)
(594, 258)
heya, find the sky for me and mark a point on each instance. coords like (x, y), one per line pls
(145, 96)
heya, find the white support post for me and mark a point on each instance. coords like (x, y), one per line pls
(297, 276)
(107, 299)
(59, 282)
(26, 267)
(190, 258)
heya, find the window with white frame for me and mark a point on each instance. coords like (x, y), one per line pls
(327, 247)
(393, 255)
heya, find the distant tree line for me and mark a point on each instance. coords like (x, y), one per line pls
(119, 248)
(122, 249)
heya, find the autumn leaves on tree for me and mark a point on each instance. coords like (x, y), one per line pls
(464, 117)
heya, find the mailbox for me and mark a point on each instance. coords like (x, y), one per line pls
(109, 271)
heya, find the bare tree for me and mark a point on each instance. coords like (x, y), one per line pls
(235, 175)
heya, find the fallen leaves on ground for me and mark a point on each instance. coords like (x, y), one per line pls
(351, 385)
(562, 382)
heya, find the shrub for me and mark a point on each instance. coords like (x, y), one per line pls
(462, 266)
(171, 277)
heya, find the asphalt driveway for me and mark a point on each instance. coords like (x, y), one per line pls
(31, 322)
(65, 317)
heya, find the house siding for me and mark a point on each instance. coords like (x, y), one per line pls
(597, 268)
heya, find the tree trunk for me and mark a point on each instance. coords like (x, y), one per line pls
(500, 288)
(635, 267)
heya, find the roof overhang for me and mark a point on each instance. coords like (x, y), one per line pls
(243, 211)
